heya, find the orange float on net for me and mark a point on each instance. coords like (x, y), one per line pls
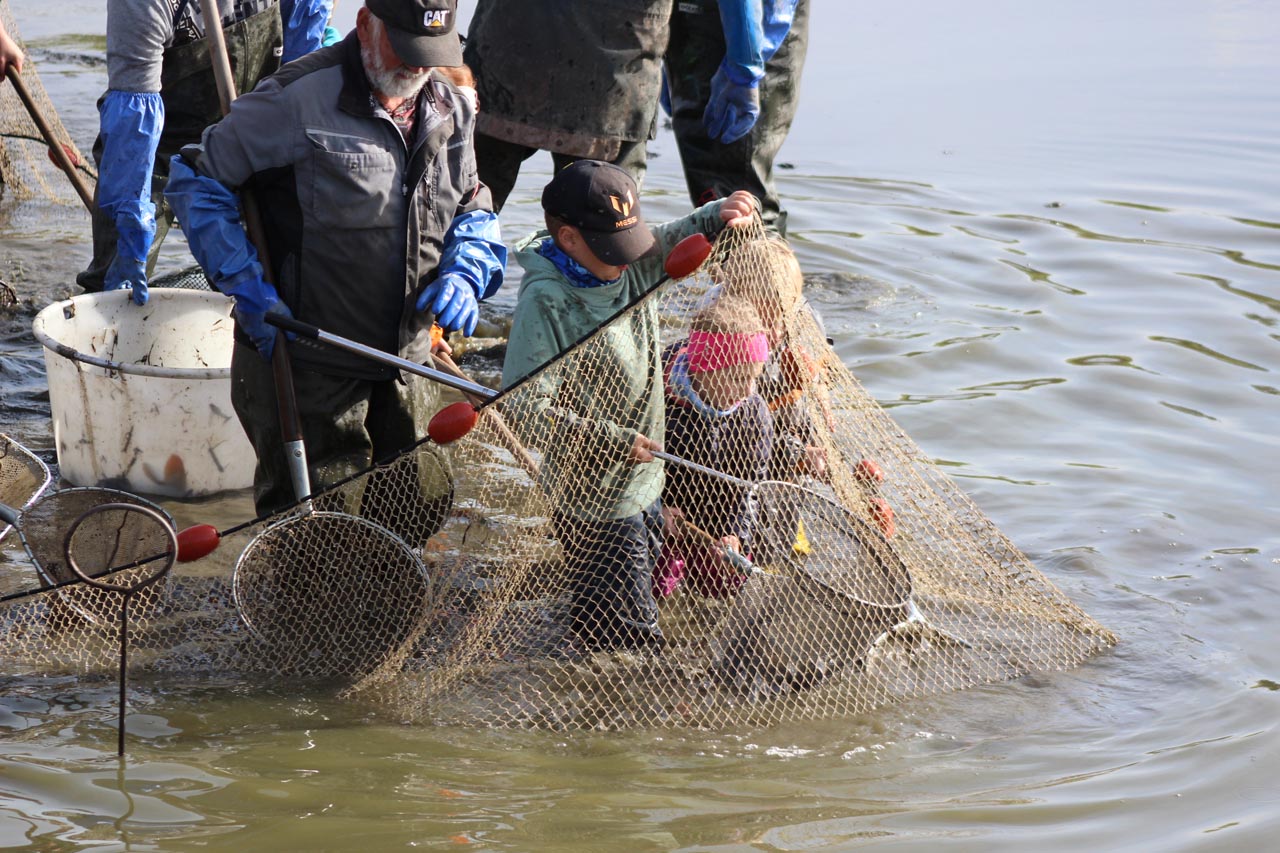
(883, 515)
(452, 422)
(197, 541)
(687, 255)
(868, 472)
(72, 157)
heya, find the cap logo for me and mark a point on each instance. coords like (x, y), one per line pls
(623, 205)
(435, 18)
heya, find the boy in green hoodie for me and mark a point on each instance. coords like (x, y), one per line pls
(597, 431)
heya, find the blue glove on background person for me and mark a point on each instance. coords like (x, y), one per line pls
(453, 300)
(734, 105)
(305, 25)
(129, 267)
(471, 269)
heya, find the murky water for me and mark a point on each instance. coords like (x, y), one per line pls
(1049, 239)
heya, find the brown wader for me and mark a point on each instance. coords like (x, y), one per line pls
(346, 425)
(578, 79)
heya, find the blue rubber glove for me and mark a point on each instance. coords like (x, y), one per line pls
(210, 217)
(129, 267)
(664, 95)
(304, 26)
(452, 300)
(255, 299)
(471, 269)
(733, 107)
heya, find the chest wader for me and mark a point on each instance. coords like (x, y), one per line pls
(190, 97)
(713, 169)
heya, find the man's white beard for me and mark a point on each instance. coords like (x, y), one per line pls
(398, 83)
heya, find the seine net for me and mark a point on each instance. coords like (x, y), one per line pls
(26, 171)
(816, 564)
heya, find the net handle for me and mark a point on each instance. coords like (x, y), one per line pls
(56, 151)
(286, 400)
(711, 472)
(736, 559)
(315, 333)
(450, 375)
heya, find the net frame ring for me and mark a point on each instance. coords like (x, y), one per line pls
(149, 579)
(39, 508)
(56, 576)
(278, 531)
(877, 546)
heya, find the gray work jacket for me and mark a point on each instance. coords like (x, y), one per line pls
(355, 219)
(575, 77)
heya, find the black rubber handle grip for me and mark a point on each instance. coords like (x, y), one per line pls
(282, 321)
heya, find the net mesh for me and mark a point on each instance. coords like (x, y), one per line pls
(23, 477)
(836, 570)
(188, 278)
(26, 170)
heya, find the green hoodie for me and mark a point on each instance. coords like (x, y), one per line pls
(584, 413)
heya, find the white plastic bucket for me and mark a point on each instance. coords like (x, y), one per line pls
(141, 395)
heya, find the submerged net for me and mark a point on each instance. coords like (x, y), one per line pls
(857, 574)
(26, 171)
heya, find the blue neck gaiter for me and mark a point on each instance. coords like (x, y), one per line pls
(576, 273)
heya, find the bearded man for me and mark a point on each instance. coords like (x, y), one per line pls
(360, 156)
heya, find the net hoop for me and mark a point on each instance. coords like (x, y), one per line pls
(24, 478)
(879, 551)
(80, 503)
(302, 551)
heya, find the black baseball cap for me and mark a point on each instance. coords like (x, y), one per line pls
(602, 201)
(423, 33)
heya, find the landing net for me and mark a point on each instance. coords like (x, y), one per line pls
(862, 577)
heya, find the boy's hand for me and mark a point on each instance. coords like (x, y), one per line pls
(738, 209)
(640, 449)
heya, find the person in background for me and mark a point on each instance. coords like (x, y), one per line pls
(595, 258)
(376, 227)
(767, 274)
(733, 85)
(10, 53)
(715, 419)
(576, 78)
(161, 94)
